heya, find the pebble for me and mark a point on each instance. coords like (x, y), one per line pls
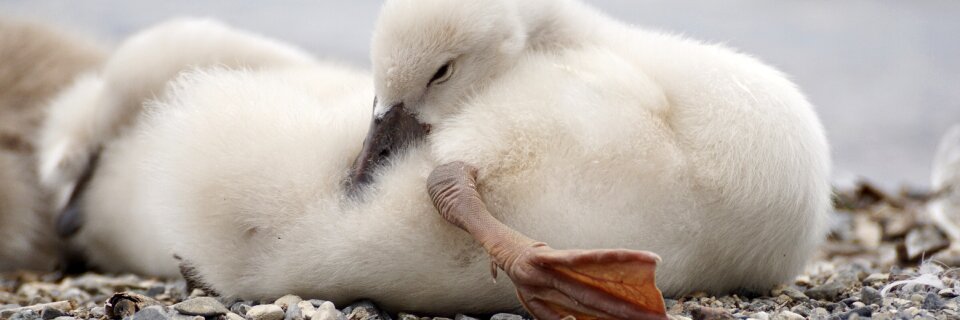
(706, 313)
(201, 306)
(407, 316)
(869, 295)
(861, 312)
(948, 293)
(49, 313)
(363, 310)
(265, 312)
(876, 277)
(240, 307)
(829, 291)
(506, 316)
(307, 309)
(464, 317)
(287, 300)
(294, 312)
(27, 314)
(151, 313)
(932, 302)
(787, 315)
(327, 311)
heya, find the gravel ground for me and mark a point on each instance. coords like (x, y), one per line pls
(884, 260)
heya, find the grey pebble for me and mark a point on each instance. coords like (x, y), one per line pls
(25, 315)
(933, 302)
(364, 310)
(156, 290)
(464, 317)
(869, 295)
(152, 313)
(506, 316)
(65, 318)
(829, 291)
(316, 302)
(201, 306)
(240, 307)
(265, 312)
(293, 312)
(859, 312)
(328, 311)
(98, 312)
(407, 316)
(50, 313)
(795, 294)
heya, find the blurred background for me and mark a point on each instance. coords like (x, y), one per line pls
(884, 74)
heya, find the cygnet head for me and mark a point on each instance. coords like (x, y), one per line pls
(427, 56)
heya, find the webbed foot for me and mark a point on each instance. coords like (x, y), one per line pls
(551, 284)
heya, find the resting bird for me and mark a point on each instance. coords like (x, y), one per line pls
(94, 115)
(679, 139)
(36, 62)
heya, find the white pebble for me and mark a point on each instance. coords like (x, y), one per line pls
(265, 312)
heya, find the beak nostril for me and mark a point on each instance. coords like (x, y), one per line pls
(384, 153)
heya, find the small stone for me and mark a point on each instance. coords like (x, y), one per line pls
(27, 314)
(761, 316)
(464, 317)
(677, 317)
(202, 306)
(364, 310)
(49, 313)
(787, 315)
(916, 298)
(829, 291)
(819, 313)
(233, 316)
(860, 312)
(800, 309)
(407, 316)
(307, 309)
(705, 313)
(151, 313)
(287, 300)
(506, 316)
(65, 318)
(293, 312)
(98, 312)
(803, 280)
(795, 294)
(327, 311)
(125, 304)
(440, 318)
(932, 302)
(869, 295)
(265, 312)
(316, 302)
(876, 277)
(156, 290)
(948, 293)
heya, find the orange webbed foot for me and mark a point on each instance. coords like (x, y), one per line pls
(587, 284)
(551, 284)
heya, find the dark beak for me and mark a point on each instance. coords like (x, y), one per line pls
(389, 135)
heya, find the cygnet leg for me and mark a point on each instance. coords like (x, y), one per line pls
(551, 284)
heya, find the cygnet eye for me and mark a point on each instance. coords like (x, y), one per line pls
(443, 74)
